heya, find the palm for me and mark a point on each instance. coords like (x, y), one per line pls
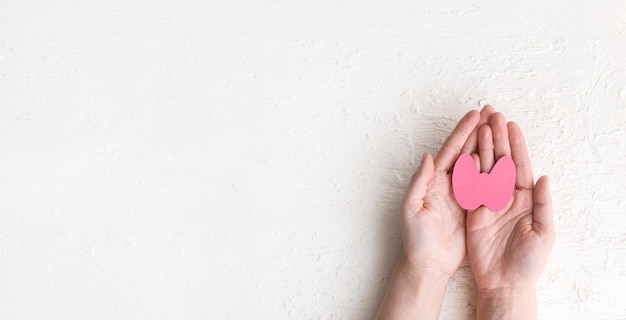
(433, 225)
(437, 230)
(509, 247)
(503, 247)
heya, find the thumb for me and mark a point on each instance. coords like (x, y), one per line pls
(542, 208)
(414, 199)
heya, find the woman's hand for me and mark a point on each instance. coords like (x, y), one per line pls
(433, 230)
(432, 222)
(508, 249)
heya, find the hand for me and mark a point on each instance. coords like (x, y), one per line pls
(432, 223)
(508, 249)
(433, 230)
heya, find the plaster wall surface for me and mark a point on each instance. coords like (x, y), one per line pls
(246, 159)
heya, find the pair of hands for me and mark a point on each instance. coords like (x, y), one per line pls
(507, 249)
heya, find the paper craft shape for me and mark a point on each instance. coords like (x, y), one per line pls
(473, 189)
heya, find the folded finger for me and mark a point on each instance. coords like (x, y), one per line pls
(476, 160)
(471, 145)
(414, 199)
(485, 148)
(542, 208)
(501, 146)
(519, 153)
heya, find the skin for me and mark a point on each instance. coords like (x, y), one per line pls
(433, 230)
(507, 249)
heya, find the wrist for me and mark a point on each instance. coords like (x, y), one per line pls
(516, 302)
(413, 292)
(418, 275)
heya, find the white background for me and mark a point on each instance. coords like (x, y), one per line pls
(245, 159)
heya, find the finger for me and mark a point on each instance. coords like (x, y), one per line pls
(519, 153)
(476, 160)
(451, 149)
(471, 145)
(485, 148)
(501, 146)
(542, 208)
(414, 199)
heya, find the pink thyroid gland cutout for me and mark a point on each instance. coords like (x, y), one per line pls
(473, 189)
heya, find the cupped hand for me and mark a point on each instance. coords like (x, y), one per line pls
(432, 223)
(509, 248)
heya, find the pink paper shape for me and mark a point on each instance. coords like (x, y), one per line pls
(473, 189)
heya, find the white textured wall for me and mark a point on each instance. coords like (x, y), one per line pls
(244, 160)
